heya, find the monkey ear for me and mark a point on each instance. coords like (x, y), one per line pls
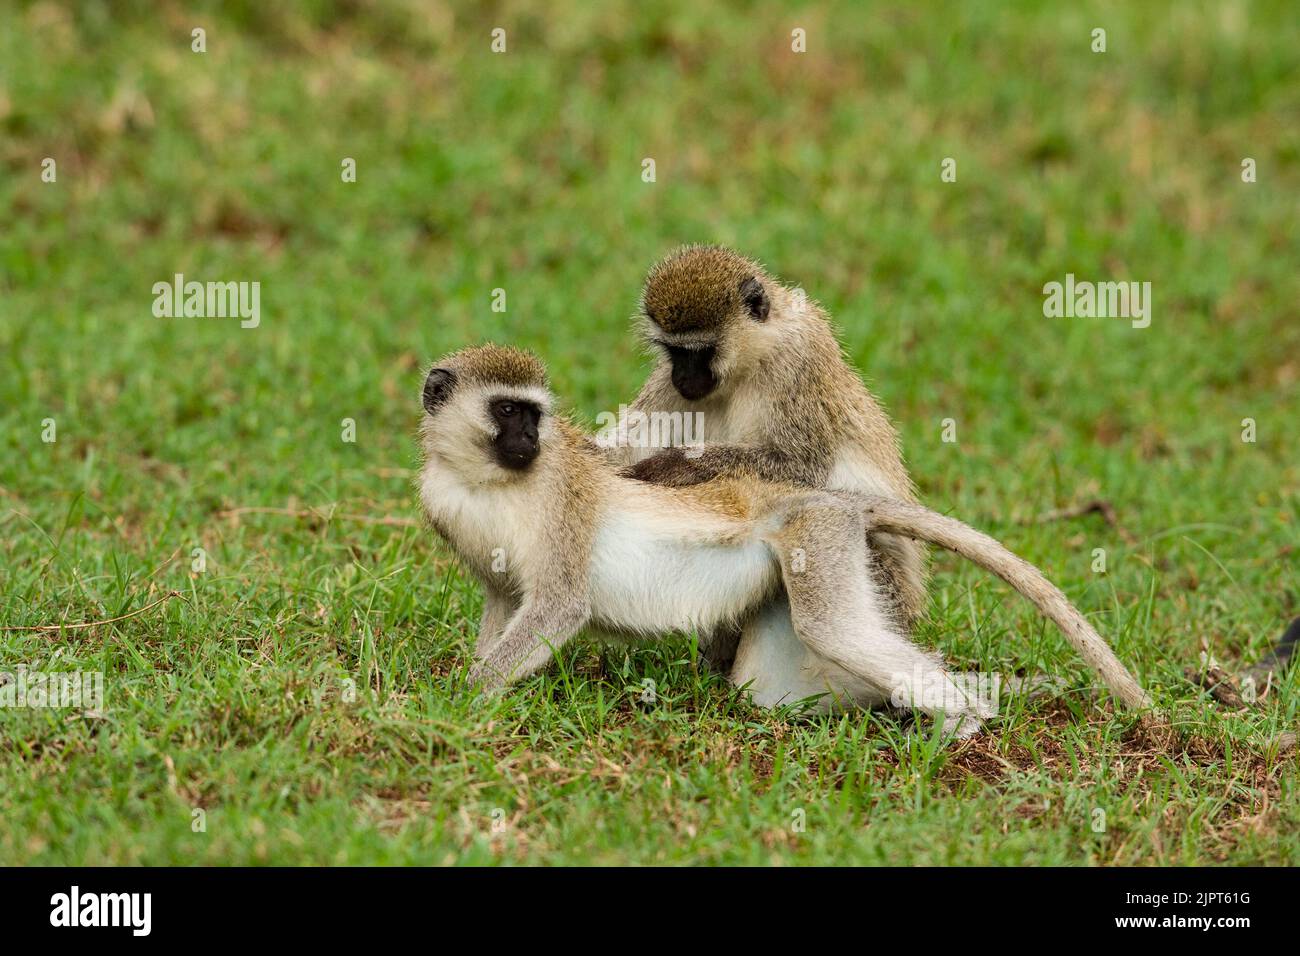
(755, 298)
(437, 388)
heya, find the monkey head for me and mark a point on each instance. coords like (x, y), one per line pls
(487, 411)
(711, 313)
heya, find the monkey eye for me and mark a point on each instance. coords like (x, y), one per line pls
(505, 408)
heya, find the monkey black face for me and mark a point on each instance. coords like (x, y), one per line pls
(516, 444)
(693, 371)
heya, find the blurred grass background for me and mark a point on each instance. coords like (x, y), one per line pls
(522, 171)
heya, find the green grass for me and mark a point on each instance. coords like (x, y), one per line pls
(523, 171)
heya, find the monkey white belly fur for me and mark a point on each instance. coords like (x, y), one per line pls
(705, 585)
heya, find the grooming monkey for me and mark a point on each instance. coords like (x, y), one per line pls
(778, 401)
(763, 367)
(586, 546)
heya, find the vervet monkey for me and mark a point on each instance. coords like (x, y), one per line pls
(760, 363)
(762, 367)
(585, 546)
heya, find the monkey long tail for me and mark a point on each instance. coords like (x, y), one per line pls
(914, 521)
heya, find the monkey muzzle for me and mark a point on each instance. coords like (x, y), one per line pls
(693, 372)
(516, 449)
(516, 459)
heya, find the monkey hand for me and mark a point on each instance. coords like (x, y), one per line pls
(485, 678)
(672, 468)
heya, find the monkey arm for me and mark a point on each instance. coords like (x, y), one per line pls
(604, 444)
(670, 468)
(614, 454)
(657, 396)
(537, 629)
(679, 467)
(498, 607)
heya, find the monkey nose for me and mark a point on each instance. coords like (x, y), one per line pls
(520, 457)
(694, 385)
(693, 373)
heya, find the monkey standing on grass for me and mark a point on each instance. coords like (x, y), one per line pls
(588, 547)
(762, 366)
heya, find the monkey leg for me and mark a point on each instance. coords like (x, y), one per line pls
(536, 631)
(840, 615)
(719, 652)
(778, 669)
(498, 608)
(900, 566)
